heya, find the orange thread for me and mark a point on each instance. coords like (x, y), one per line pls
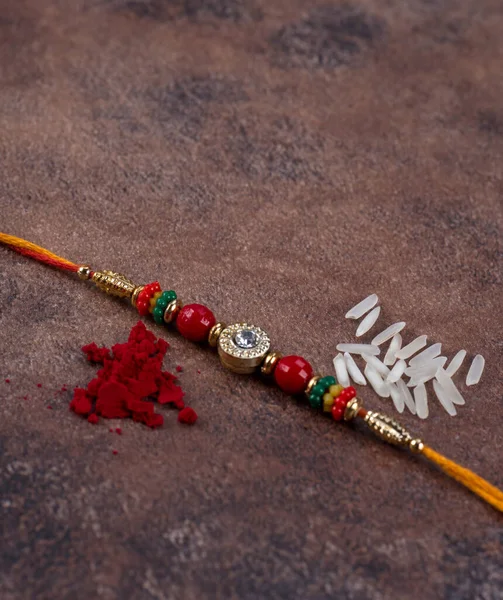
(37, 252)
(482, 488)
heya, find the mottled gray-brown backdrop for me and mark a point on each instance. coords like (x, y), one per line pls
(277, 160)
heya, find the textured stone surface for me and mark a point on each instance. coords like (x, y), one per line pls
(362, 143)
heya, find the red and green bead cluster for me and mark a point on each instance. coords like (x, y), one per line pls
(193, 321)
(153, 300)
(144, 297)
(292, 374)
(159, 303)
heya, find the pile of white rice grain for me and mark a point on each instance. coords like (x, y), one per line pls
(419, 363)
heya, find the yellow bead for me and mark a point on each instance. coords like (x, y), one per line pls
(328, 402)
(153, 300)
(335, 390)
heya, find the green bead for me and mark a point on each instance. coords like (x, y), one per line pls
(158, 314)
(169, 295)
(327, 381)
(316, 401)
(164, 299)
(319, 389)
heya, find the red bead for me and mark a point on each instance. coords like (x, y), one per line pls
(292, 374)
(194, 322)
(142, 307)
(341, 402)
(337, 413)
(350, 392)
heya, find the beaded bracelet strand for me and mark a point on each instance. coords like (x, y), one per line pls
(244, 348)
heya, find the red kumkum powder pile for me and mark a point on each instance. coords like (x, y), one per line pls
(131, 377)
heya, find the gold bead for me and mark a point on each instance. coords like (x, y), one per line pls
(114, 284)
(328, 402)
(172, 310)
(335, 390)
(214, 334)
(270, 362)
(135, 294)
(416, 446)
(352, 408)
(84, 272)
(240, 359)
(311, 383)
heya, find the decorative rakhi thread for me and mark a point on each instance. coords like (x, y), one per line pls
(244, 348)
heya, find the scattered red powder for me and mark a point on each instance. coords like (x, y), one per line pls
(39, 385)
(179, 368)
(130, 375)
(187, 415)
(7, 381)
(199, 371)
(25, 397)
(114, 452)
(49, 407)
(93, 418)
(111, 430)
(118, 430)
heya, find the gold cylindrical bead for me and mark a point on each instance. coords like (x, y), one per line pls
(135, 294)
(172, 310)
(270, 362)
(214, 334)
(84, 272)
(352, 408)
(311, 383)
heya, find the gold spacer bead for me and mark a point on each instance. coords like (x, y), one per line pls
(214, 334)
(84, 272)
(352, 408)
(270, 362)
(172, 310)
(311, 383)
(416, 446)
(136, 293)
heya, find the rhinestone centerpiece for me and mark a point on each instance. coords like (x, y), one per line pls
(242, 347)
(246, 338)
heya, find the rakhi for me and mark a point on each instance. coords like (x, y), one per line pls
(245, 348)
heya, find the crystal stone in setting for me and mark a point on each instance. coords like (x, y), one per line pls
(246, 338)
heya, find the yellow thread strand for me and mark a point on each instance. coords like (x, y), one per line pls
(482, 488)
(16, 242)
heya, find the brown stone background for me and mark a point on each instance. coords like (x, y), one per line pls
(277, 160)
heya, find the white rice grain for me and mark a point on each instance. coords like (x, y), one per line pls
(421, 401)
(359, 349)
(376, 364)
(397, 397)
(455, 363)
(429, 368)
(341, 371)
(444, 399)
(395, 345)
(362, 307)
(426, 355)
(353, 370)
(410, 349)
(397, 371)
(369, 321)
(388, 333)
(381, 388)
(407, 396)
(450, 389)
(476, 370)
